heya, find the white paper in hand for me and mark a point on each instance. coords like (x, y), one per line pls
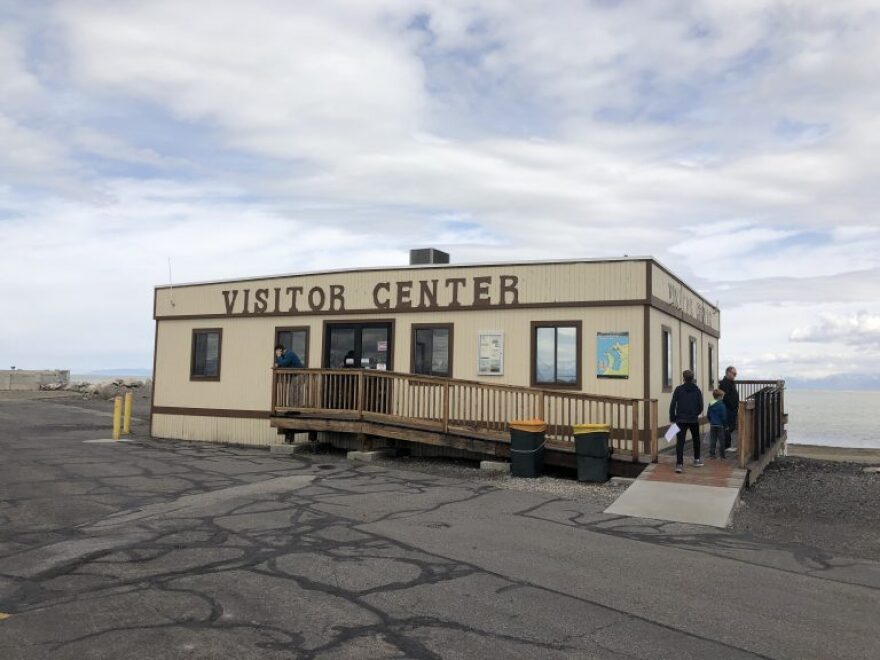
(672, 432)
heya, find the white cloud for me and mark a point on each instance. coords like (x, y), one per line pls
(860, 329)
(736, 141)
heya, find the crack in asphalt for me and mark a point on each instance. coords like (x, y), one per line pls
(207, 538)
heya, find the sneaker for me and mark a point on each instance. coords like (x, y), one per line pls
(698, 463)
(679, 468)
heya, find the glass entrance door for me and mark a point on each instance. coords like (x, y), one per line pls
(357, 346)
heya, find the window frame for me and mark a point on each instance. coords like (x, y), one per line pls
(192, 354)
(450, 327)
(358, 326)
(666, 358)
(294, 328)
(579, 350)
(693, 356)
(711, 365)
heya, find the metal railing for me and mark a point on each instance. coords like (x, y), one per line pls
(747, 388)
(761, 420)
(462, 407)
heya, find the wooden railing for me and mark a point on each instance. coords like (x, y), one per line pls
(462, 407)
(761, 421)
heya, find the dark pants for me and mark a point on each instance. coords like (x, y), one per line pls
(682, 435)
(731, 427)
(718, 436)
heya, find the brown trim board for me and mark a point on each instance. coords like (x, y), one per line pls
(646, 339)
(676, 313)
(211, 412)
(411, 310)
(655, 302)
(155, 356)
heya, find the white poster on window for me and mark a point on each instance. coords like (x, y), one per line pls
(490, 354)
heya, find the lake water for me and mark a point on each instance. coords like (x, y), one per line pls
(833, 418)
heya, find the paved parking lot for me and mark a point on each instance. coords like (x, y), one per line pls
(156, 549)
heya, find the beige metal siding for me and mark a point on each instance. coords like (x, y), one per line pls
(246, 352)
(681, 333)
(673, 291)
(215, 429)
(539, 283)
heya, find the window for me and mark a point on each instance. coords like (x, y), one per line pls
(205, 362)
(693, 357)
(432, 350)
(711, 367)
(556, 354)
(667, 358)
(296, 340)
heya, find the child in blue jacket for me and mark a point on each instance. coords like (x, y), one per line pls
(717, 424)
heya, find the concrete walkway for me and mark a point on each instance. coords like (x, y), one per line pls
(702, 496)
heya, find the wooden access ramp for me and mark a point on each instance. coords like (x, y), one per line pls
(459, 414)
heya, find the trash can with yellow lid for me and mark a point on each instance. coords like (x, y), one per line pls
(527, 447)
(592, 451)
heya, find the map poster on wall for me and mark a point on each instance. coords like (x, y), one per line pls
(490, 354)
(612, 355)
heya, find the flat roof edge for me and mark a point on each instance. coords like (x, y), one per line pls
(478, 264)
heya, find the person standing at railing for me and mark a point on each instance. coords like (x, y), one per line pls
(731, 400)
(685, 410)
(285, 359)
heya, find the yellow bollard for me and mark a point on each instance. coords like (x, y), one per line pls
(126, 419)
(117, 416)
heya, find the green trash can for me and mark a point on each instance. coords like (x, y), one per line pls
(592, 451)
(527, 447)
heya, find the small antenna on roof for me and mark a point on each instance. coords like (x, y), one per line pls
(170, 282)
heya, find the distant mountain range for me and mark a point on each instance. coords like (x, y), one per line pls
(836, 382)
(141, 373)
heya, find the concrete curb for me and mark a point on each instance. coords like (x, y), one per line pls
(289, 450)
(370, 456)
(869, 455)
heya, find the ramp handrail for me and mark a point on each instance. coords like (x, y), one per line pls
(467, 407)
(761, 421)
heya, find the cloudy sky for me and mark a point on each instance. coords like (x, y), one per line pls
(736, 141)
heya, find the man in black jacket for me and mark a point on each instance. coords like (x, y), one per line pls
(685, 410)
(731, 400)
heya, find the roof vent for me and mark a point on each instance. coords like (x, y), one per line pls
(426, 256)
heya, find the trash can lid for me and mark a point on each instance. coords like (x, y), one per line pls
(577, 429)
(530, 425)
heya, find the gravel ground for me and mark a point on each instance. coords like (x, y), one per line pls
(556, 483)
(832, 506)
(140, 404)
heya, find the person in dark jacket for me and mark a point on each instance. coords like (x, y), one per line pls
(685, 410)
(731, 400)
(285, 359)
